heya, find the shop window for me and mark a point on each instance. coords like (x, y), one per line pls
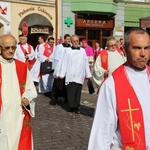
(106, 33)
(94, 34)
(80, 32)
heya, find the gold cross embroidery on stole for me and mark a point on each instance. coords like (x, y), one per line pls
(130, 110)
(27, 123)
(22, 85)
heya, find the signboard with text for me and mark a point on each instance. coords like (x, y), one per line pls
(96, 23)
(145, 23)
(44, 30)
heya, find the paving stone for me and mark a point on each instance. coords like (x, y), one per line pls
(56, 129)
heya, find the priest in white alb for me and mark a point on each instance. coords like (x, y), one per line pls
(57, 57)
(121, 120)
(25, 52)
(107, 61)
(16, 99)
(75, 69)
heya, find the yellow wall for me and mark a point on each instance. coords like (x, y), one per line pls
(59, 18)
(19, 11)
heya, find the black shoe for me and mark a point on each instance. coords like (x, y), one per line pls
(48, 94)
(70, 110)
(53, 101)
(76, 110)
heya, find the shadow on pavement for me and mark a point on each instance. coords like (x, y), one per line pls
(83, 110)
(87, 111)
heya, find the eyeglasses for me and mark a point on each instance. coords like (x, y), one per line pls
(75, 41)
(113, 45)
(8, 47)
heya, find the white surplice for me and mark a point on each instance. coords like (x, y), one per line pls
(35, 70)
(115, 59)
(11, 116)
(105, 128)
(74, 66)
(19, 55)
(45, 82)
(57, 56)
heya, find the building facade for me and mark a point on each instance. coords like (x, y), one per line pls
(31, 18)
(95, 20)
(135, 12)
(89, 19)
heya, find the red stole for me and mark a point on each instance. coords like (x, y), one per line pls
(24, 50)
(97, 52)
(25, 142)
(28, 62)
(120, 52)
(129, 112)
(47, 50)
(104, 59)
(104, 62)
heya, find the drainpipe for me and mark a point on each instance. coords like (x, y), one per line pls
(56, 22)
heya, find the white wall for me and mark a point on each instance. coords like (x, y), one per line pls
(5, 18)
(119, 23)
(66, 12)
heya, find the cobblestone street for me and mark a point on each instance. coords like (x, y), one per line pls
(56, 129)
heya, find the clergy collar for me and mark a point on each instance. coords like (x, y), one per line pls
(75, 48)
(65, 45)
(5, 61)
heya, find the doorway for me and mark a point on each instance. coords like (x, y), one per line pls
(33, 38)
(93, 37)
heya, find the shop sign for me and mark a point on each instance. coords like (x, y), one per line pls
(44, 30)
(32, 9)
(145, 23)
(25, 28)
(68, 21)
(81, 22)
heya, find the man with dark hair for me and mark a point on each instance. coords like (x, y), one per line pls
(50, 41)
(35, 70)
(19, 37)
(122, 114)
(44, 55)
(75, 69)
(58, 89)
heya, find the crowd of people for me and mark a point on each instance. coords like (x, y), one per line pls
(119, 70)
(103, 61)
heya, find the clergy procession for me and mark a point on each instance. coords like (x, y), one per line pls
(117, 74)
